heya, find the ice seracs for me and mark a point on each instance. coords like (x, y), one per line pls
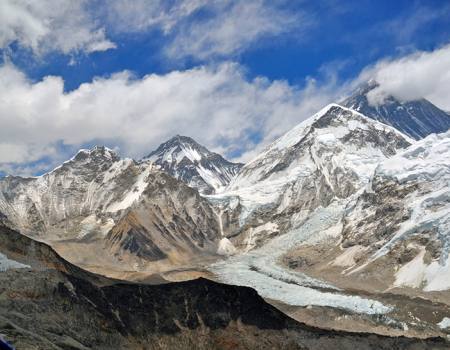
(406, 214)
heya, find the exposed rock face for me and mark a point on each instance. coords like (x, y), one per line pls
(168, 220)
(55, 306)
(331, 155)
(81, 196)
(416, 119)
(190, 162)
(404, 215)
(98, 209)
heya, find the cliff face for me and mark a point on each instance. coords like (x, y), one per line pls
(112, 215)
(52, 304)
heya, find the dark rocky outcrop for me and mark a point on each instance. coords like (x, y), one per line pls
(55, 305)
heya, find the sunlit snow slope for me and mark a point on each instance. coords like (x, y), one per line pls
(194, 164)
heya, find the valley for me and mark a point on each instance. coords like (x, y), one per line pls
(342, 224)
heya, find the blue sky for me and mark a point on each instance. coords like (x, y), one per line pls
(234, 75)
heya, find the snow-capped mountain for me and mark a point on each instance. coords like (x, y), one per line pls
(416, 119)
(403, 217)
(331, 155)
(99, 209)
(194, 164)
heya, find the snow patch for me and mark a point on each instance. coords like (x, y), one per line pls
(347, 258)
(134, 194)
(445, 323)
(412, 273)
(8, 264)
(434, 277)
(226, 247)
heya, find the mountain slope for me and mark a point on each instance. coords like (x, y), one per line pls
(110, 214)
(416, 119)
(39, 303)
(331, 155)
(190, 162)
(168, 221)
(404, 215)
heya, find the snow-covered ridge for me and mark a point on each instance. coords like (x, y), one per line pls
(333, 153)
(416, 119)
(426, 160)
(298, 132)
(91, 183)
(194, 164)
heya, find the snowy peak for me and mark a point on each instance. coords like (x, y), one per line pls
(178, 148)
(331, 155)
(185, 159)
(96, 153)
(416, 119)
(335, 129)
(94, 159)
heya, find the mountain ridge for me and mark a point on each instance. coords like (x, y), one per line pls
(417, 118)
(185, 159)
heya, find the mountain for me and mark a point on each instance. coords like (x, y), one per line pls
(110, 214)
(416, 119)
(310, 213)
(47, 303)
(329, 222)
(190, 162)
(402, 219)
(331, 155)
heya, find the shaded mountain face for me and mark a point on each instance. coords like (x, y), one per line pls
(169, 221)
(99, 210)
(416, 119)
(190, 162)
(331, 155)
(50, 304)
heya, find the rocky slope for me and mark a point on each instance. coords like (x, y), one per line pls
(103, 212)
(342, 207)
(403, 217)
(416, 119)
(40, 301)
(331, 155)
(194, 164)
(391, 238)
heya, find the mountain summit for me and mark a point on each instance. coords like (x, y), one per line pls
(417, 119)
(188, 161)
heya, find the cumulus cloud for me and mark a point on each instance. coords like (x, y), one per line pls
(203, 29)
(421, 74)
(51, 25)
(218, 106)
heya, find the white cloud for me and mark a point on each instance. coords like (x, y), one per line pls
(225, 27)
(190, 28)
(234, 26)
(51, 25)
(418, 75)
(218, 106)
(142, 15)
